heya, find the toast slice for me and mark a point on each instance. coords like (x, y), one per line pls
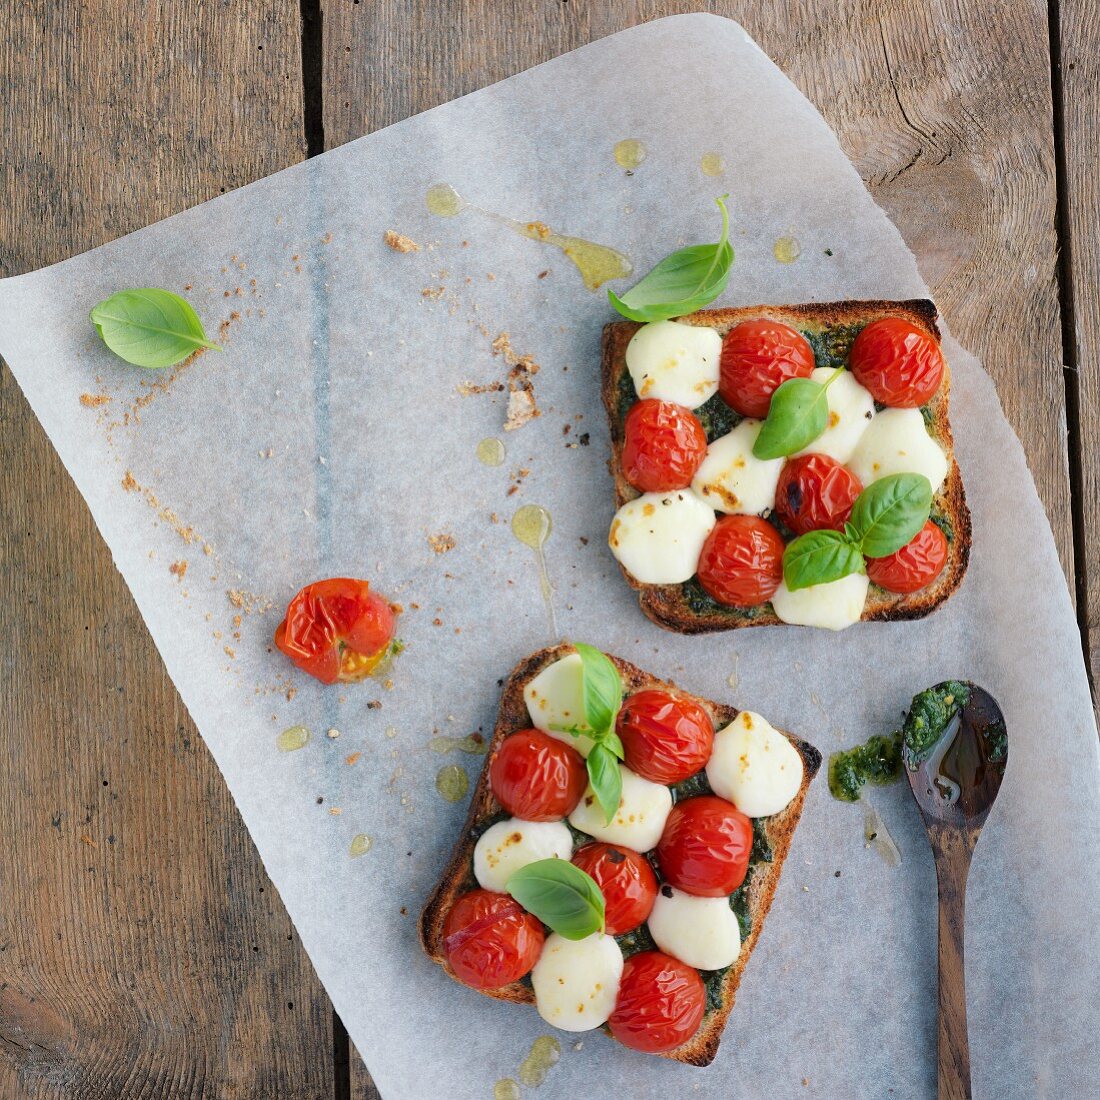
(773, 836)
(830, 327)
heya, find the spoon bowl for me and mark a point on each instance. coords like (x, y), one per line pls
(955, 778)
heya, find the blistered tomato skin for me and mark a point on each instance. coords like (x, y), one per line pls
(814, 492)
(666, 738)
(914, 566)
(757, 358)
(900, 365)
(741, 563)
(336, 629)
(628, 883)
(664, 445)
(661, 1003)
(536, 777)
(705, 847)
(489, 940)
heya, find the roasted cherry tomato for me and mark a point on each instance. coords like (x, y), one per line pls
(537, 777)
(705, 847)
(628, 883)
(815, 491)
(919, 562)
(336, 629)
(741, 563)
(900, 364)
(661, 1003)
(665, 737)
(757, 358)
(664, 446)
(489, 940)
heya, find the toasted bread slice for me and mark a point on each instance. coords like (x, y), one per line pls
(830, 327)
(758, 890)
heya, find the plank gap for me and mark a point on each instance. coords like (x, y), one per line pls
(313, 101)
(1070, 352)
(341, 1059)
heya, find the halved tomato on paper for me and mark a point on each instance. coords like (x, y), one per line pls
(337, 630)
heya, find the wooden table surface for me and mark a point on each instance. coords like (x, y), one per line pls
(143, 950)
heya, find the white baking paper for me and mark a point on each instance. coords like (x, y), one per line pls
(330, 437)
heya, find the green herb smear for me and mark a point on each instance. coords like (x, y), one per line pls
(150, 327)
(682, 282)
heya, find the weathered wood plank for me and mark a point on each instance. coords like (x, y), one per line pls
(1080, 73)
(143, 952)
(944, 108)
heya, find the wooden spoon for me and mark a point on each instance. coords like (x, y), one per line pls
(955, 784)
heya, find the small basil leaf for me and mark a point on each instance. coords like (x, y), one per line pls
(561, 895)
(150, 327)
(614, 744)
(797, 415)
(687, 280)
(889, 513)
(819, 557)
(606, 779)
(602, 689)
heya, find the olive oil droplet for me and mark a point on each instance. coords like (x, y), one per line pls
(506, 1089)
(360, 845)
(876, 834)
(296, 737)
(786, 250)
(444, 201)
(629, 153)
(733, 679)
(532, 526)
(545, 1052)
(712, 164)
(452, 783)
(490, 452)
(391, 732)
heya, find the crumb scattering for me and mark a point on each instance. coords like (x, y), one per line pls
(94, 400)
(442, 542)
(398, 242)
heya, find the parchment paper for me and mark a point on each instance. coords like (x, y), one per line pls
(330, 438)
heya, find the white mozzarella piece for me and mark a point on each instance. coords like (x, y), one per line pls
(833, 606)
(671, 361)
(754, 766)
(732, 479)
(513, 843)
(897, 442)
(702, 932)
(639, 820)
(851, 410)
(555, 697)
(576, 982)
(658, 537)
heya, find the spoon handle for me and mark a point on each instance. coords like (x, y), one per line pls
(952, 851)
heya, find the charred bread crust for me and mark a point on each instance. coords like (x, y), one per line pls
(667, 604)
(457, 877)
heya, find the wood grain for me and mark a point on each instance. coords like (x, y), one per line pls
(1079, 25)
(143, 951)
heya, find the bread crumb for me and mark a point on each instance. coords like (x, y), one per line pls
(129, 483)
(468, 389)
(352, 758)
(399, 242)
(433, 293)
(333, 734)
(178, 569)
(521, 407)
(94, 400)
(336, 811)
(442, 542)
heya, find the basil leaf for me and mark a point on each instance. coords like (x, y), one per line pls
(150, 327)
(687, 280)
(889, 513)
(602, 689)
(606, 779)
(819, 557)
(614, 744)
(561, 895)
